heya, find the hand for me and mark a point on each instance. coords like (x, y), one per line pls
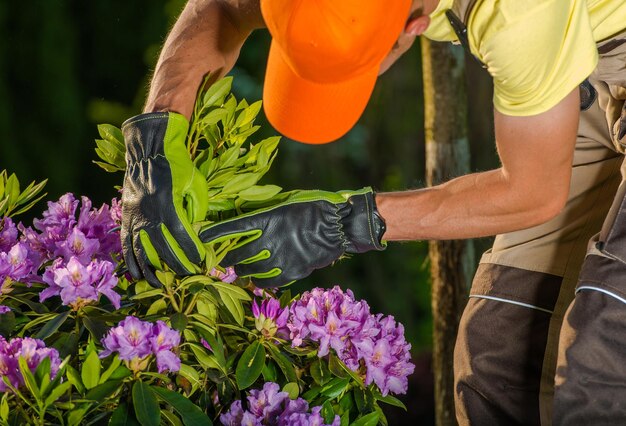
(310, 230)
(163, 194)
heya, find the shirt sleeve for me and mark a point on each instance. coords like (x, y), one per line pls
(539, 56)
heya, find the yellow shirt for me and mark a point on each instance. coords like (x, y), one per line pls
(537, 51)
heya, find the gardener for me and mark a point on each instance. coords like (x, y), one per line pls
(561, 145)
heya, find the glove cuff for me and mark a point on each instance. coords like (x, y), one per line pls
(363, 226)
(146, 134)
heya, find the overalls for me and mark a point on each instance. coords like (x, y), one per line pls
(517, 333)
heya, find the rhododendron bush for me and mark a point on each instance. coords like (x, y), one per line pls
(82, 343)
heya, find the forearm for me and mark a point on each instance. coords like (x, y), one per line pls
(470, 206)
(206, 38)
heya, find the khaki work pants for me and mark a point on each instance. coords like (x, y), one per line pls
(517, 326)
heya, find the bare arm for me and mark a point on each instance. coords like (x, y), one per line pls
(206, 38)
(530, 188)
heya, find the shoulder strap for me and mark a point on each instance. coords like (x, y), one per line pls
(462, 9)
(458, 16)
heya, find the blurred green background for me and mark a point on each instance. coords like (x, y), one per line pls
(68, 65)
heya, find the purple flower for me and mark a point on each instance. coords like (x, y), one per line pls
(135, 340)
(4, 309)
(269, 318)
(374, 346)
(32, 350)
(99, 224)
(309, 419)
(78, 284)
(8, 234)
(271, 407)
(163, 340)
(14, 266)
(93, 234)
(78, 246)
(59, 216)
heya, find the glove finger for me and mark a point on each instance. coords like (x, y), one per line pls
(145, 265)
(249, 253)
(187, 243)
(278, 281)
(238, 227)
(129, 256)
(171, 253)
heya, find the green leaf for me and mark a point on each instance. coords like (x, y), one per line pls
(389, 399)
(235, 292)
(292, 389)
(57, 392)
(259, 192)
(370, 419)
(108, 167)
(74, 378)
(327, 412)
(248, 114)
(7, 323)
(147, 294)
(240, 182)
(191, 375)
(112, 134)
(190, 413)
(52, 326)
(234, 307)
(76, 416)
(320, 372)
(120, 372)
(29, 379)
(217, 91)
(122, 416)
(206, 360)
(179, 321)
(103, 391)
(250, 365)
(42, 374)
(335, 387)
(335, 364)
(228, 158)
(284, 363)
(146, 406)
(156, 307)
(97, 328)
(90, 371)
(4, 407)
(171, 418)
(115, 363)
(213, 116)
(269, 372)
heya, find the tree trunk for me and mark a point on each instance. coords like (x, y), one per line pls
(447, 156)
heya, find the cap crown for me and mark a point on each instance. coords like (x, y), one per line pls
(329, 41)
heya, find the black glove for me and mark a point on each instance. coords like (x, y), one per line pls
(163, 194)
(309, 231)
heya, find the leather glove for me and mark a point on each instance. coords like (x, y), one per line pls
(163, 194)
(309, 231)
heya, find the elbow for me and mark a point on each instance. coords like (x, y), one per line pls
(543, 209)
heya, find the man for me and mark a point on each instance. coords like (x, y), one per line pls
(560, 129)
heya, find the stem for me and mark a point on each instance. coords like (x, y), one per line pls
(192, 304)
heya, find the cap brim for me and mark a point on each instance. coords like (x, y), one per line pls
(312, 112)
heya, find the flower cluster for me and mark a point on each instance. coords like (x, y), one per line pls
(269, 318)
(78, 252)
(135, 341)
(271, 407)
(334, 319)
(32, 350)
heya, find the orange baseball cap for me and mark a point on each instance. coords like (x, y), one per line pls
(324, 61)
